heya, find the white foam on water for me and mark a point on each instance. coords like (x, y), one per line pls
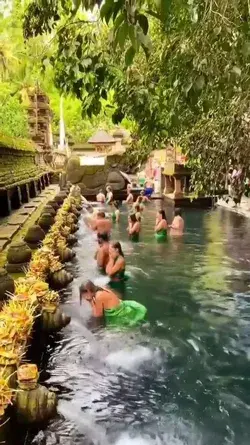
(131, 359)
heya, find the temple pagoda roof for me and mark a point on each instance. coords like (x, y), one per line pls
(101, 137)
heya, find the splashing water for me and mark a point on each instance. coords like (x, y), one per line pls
(132, 359)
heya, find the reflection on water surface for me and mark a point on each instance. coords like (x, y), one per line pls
(184, 378)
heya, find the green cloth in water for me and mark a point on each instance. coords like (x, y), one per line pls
(135, 237)
(113, 216)
(161, 235)
(128, 313)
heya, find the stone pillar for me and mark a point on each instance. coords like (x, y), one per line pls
(168, 185)
(178, 193)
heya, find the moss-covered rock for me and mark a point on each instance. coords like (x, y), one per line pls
(6, 285)
(65, 254)
(60, 279)
(19, 252)
(34, 236)
(45, 221)
(71, 240)
(54, 321)
(49, 209)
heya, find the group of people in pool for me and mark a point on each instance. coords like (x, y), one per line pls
(110, 258)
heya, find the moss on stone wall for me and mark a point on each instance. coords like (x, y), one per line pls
(17, 143)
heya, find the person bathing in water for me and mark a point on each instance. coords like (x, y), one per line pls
(177, 226)
(161, 226)
(134, 226)
(143, 197)
(109, 195)
(130, 198)
(100, 197)
(101, 224)
(102, 254)
(116, 266)
(106, 304)
(115, 215)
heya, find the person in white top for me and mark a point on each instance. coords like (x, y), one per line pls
(109, 196)
(100, 197)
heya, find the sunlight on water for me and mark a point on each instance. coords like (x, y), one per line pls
(183, 379)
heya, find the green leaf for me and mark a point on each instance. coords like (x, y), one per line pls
(122, 34)
(143, 22)
(107, 10)
(133, 37)
(129, 56)
(118, 21)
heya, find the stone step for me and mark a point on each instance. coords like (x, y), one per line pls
(3, 244)
(7, 232)
(17, 220)
(26, 211)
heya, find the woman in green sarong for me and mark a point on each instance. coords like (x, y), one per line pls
(116, 266)
(161, 226)
(105, 303)
(134, 226)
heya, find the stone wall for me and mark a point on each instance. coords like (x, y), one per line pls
(93, 178)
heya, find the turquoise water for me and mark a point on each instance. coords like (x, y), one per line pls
(184, 378)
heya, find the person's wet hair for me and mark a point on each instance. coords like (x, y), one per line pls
(177, 212)
(163, 214)
(117, 245)
(101, 214)
(140, 198)
(133, 218)
(103, 237)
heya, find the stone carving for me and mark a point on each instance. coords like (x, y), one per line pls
(92, 178)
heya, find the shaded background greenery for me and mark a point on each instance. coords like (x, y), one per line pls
(168, 70)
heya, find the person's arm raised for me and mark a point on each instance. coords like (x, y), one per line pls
(98, 305)
(117, 266)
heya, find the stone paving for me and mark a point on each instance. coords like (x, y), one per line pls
(18, 219)
(242, 209)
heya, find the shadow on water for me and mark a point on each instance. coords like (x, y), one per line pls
(184, 378)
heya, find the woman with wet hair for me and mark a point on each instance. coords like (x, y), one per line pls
(134, 226)
(161, 226)
(106, 304)
(116, 266)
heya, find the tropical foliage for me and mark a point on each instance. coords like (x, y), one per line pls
(175, 69)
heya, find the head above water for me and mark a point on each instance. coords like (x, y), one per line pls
(132, 218)
(108, 188)
(162, 214)
(177, 212)
(101, 191)
(101, 215)
(142, 193)
(103, 238)
(115, 249)
(88, 291)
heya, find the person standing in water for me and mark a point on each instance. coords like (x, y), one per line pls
(161, 226)
(116, 266)
(106, 304)
(115, 215)
(100, 197)
(101, 224)
(177, 226)
(134, 227)
(130, 198)
(102, 254)
(109, 196)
